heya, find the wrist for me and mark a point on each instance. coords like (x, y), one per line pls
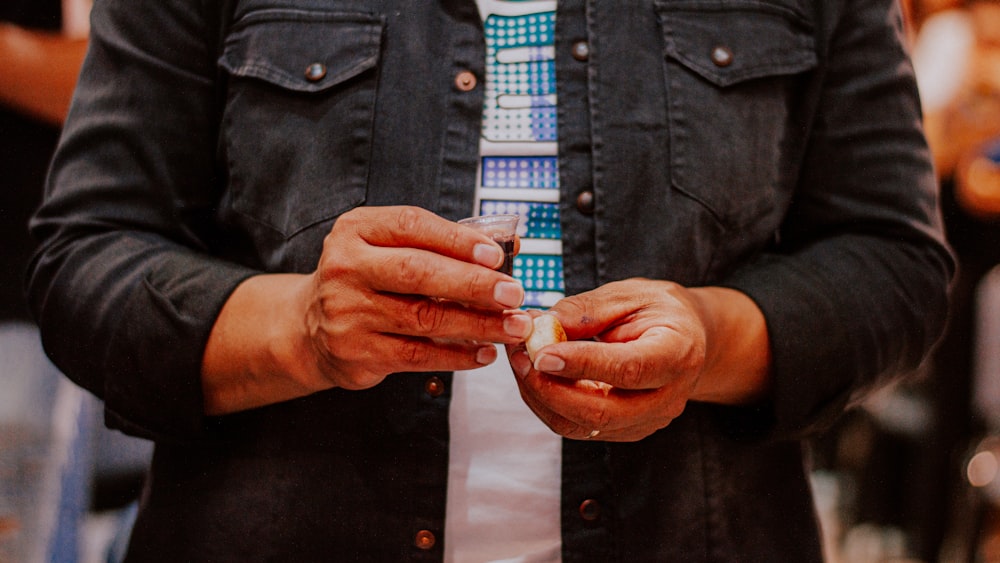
(285, 352)
(737, 367)
(257, 353)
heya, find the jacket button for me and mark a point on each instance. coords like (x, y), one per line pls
(424, 540)
(585, 202)
(315, 72)
(581, 51)
(590, 510)
(434, 386)
(722, 56)
(465, 81)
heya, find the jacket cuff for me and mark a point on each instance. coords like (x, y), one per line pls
(812, 352)
(153, 389)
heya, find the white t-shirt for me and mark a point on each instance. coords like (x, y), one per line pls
(504, 470)
(503, 474)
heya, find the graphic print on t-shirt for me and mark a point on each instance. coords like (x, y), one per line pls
(519, 171)
(504, 464)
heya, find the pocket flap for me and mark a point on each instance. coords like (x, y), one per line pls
(302, 50)
(727, 43)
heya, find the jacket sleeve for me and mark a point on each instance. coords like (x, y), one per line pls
(124, 286)
(855, 289)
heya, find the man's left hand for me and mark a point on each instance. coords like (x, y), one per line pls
(657, 344)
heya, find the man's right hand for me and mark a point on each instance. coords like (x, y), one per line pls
(396, 289)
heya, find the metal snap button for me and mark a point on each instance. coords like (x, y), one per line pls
(424, 540)
(315, 72)
(585, 202)
(590, 510)
(581, 51)
(434, 386)
(722, 56)
(465, 81)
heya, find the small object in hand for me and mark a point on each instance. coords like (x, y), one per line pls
(502, 229)
(596, 386)
(545, 330)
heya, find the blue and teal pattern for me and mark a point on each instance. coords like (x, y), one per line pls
(519, 172)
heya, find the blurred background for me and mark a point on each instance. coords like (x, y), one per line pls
(912, 475)
(67, 484)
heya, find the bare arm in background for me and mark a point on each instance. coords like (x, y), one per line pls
(38, 71)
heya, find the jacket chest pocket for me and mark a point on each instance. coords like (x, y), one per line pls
(297, 126)
(730, 71)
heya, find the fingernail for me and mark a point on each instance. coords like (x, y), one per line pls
(520, 363)
(488, 255)
(486, 355)
(508, 294)
(549, 364)
(517, 325)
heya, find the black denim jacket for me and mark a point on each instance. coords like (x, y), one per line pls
(772, 146)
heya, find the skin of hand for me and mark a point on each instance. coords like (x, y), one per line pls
(396, 289)
(658, 344)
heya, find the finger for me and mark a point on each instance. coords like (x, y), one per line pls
(577, 411)
(394, 353)
(433, 318)
(648, 362)
(418, 272)
(630, 415)
(557, 423)
(587, 315)
(560, 399)
(412, 251)
(553, 420)
(413, 227)
(620, 425)
(630, 429)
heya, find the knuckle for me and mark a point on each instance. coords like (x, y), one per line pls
(631, 373)
(601, 418)
(572, 308)
(334, 262)
(330, 246)
(360, 380)
(476, 282)
(411, 273)
(693, 360)
(351, 381)
(329, 310)
(453, 238)
(676, 409)
(562, 427)
(348, 221)
(428, 316)
(407, 219)
(669, 411)
(412, 352)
